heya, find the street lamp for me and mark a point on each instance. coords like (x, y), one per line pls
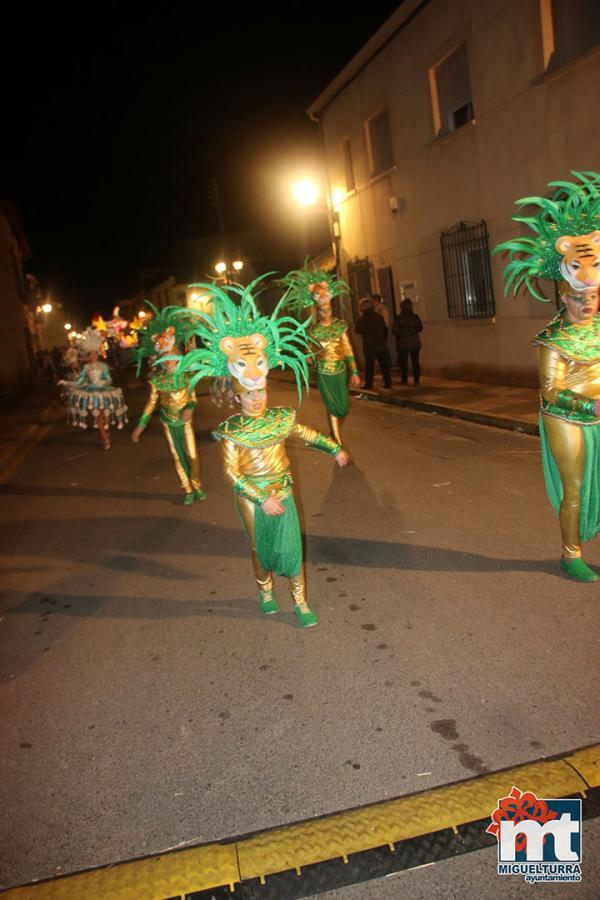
(228, 271)
(68, 326)
(46, 308)
(306, 192)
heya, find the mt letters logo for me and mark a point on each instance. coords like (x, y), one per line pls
(539, 839)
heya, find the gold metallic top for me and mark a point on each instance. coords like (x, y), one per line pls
(172, 401)
(567, 387)
(258, 472)
(335, 350)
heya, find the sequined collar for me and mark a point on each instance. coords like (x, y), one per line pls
(264, 431)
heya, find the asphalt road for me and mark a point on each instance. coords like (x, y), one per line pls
(147, 704)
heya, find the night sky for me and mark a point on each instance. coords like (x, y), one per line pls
(111, 129)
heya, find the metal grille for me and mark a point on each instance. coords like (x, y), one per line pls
(467, 271)
(359, 279)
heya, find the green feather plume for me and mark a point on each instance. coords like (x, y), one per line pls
(574, 209)
(297, 283)
(236, 314)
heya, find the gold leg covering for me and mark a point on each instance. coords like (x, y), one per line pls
(190, 446)
(298, 589)
(185, 481)
(568, 449)
(264, 579)
(335, 427)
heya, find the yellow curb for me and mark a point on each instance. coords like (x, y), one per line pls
(175, 873)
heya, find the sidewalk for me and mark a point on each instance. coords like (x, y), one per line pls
(498, 405)
(501, 406)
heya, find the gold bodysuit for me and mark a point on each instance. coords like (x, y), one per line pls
(256, 464)
(174, 398)
(569, 375)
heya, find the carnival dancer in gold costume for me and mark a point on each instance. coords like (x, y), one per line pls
(313, 289)
(174, 395)
(241, 343)
(567, 246)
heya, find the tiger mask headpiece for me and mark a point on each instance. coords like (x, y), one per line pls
(580, 263)
(238, 342)
(565, 239)
(246, 361)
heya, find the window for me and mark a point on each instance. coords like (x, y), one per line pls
(467, 271)
(575, 29)
(451, 89)
(348, 166)
(380, 143)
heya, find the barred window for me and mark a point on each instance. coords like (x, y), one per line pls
(359, 279)
(467, 271)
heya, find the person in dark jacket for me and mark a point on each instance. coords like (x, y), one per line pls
(374, 335)
(406, 328)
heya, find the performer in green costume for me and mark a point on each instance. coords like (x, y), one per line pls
(173, 394)
(240, 343)
(313, 289)
(566, 245)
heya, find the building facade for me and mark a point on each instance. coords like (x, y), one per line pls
(448, 114)
(16, 359)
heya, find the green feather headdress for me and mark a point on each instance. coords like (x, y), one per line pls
(297, 284)
(236, 314)
(182, 319)
(574, 209)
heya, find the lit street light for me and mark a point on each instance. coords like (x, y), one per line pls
(226, 270)
(68, 326)
(305, 191)
(46, 307)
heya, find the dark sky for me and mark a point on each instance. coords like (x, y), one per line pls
(113, 126)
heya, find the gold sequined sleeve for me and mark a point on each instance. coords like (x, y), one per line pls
(192, 399)
(149, 407)
(552, 369)
(349, 353)
(313, 438)
(242, 484)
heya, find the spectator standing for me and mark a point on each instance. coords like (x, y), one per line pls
(406, 328)
(382, 309)
(373, 331)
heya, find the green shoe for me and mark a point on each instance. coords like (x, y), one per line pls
(188, 500)
(577, 569)
(268, 604)
(305, 616)
(200, 494)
